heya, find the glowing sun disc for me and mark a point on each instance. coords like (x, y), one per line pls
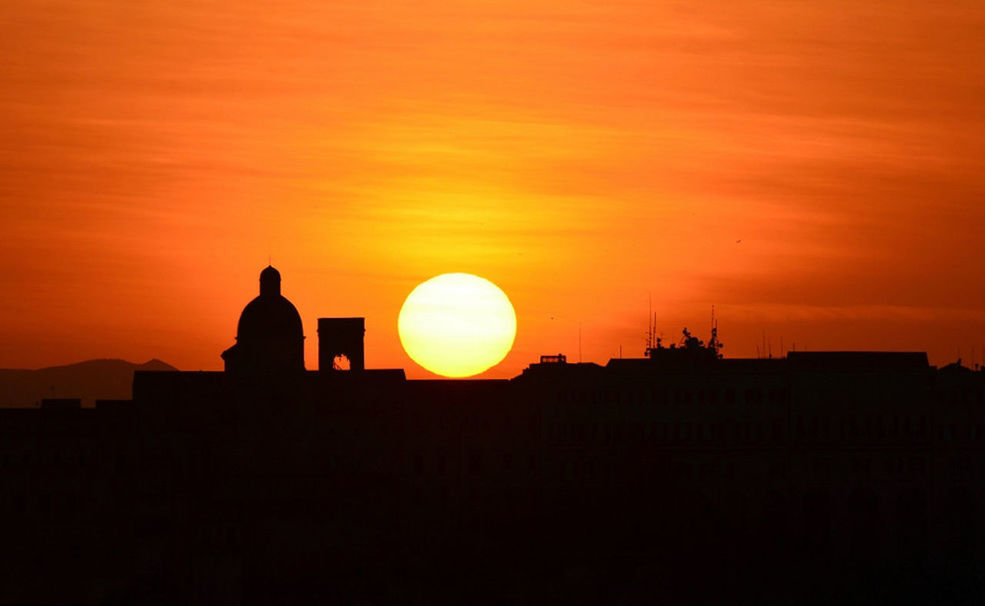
(457, 325)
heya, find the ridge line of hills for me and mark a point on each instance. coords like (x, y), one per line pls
(105, 378)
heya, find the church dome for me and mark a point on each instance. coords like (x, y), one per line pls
(270, 336)
(269, 317)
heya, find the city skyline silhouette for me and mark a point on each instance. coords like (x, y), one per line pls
(816, 477)
(455, 302)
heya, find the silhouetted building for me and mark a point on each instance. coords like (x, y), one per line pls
(270, 336)
(681, 477)
(61, 403)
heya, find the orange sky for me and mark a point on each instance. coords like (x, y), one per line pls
(580, 155)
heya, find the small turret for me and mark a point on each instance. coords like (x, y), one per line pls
(269, 282)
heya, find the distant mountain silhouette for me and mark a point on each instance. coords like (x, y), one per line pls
(89, 380)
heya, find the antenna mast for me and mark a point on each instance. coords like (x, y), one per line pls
(649, 325)
(713, 343)
(579, 342)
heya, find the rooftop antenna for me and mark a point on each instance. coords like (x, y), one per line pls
(714, 331)
(714, 344)
(579, 342)
(649, 324)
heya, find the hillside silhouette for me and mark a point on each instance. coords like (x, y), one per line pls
(89, 380)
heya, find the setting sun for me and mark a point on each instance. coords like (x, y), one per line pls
(457, 325)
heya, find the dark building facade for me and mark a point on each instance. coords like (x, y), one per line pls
(680, 477)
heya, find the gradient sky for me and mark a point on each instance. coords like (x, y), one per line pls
(583, 156)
